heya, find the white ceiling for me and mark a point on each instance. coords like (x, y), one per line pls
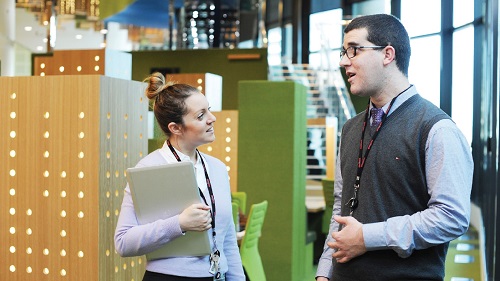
(68, 37)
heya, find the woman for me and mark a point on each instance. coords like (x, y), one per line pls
(183, 114)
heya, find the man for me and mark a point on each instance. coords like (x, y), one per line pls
(402, 181)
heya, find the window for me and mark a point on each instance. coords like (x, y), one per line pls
(463, 12)
(274, 46)
(463, 75)
(325, 38)
(425, 67)
(425, 61)
(423, 25)
(421, 17)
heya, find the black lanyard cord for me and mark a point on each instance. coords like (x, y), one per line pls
(353, 202)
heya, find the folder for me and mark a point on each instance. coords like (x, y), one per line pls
(163, 191)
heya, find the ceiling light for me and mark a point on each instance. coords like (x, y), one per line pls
(78, 36)
(28, 28)
(39, 48)
(104, 31)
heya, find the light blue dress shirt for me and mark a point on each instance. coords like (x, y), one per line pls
(448, 169)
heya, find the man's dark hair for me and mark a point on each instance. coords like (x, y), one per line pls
(384, 30)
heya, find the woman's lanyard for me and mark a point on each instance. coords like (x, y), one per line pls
(209, 186)
(353, 202)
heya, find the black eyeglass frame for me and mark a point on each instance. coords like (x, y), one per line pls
(355, 48)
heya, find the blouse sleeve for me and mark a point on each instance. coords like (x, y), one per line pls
(132, 239)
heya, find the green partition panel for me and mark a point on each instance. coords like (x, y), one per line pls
(233, 65)
(271, 166)
(358, 102)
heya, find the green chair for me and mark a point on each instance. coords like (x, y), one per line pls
(328, 194)
(236, 216)
(249, 248)
(240, 197)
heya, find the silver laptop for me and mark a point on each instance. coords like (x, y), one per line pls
(163, 191)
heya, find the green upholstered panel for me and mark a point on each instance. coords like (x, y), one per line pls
(271, 166)
(202, 61)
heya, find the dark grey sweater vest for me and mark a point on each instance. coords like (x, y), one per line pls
(393, 183)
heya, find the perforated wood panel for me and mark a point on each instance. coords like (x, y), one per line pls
(65, 143)
(70, 62)
(207, 83)
(194, 79)
(225, 146)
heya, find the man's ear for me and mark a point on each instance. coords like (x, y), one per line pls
(175, 128)
(389, 54)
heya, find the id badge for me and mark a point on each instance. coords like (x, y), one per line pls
(214, 264)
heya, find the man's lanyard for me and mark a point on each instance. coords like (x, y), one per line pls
(209, 186)
(353, 202)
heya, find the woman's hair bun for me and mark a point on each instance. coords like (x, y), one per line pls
(156, 83)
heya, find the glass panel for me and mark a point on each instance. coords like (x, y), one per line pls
(325, 30)
(463, 12)
(421, 17)
(325, 36)
(315, 59)
(287, 52)
(328, 60)
(462, 84)
(274, 46)
(425, 65)
(388, 6)
(370, 7)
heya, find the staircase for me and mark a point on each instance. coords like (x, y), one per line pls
(326, 96)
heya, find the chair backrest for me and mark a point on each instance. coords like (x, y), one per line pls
(249, 250)
(240, 197)
(328, 185)
(236, 216)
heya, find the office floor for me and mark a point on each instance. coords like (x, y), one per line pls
(463, 259)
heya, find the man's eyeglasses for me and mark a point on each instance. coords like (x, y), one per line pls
(351, 51)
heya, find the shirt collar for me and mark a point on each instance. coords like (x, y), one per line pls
(400, 100)
(169, 156)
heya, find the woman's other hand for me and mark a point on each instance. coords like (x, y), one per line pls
(195, 218)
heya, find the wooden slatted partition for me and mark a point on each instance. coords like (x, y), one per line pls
(65, 144)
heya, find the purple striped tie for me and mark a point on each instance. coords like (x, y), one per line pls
(377, 114)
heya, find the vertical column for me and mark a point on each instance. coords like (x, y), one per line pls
(7, 37)
(272, 166)
(446, 55)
